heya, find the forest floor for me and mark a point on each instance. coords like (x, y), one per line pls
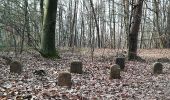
(137, 81)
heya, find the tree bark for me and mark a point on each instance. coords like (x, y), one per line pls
(157, 22)
(126, 19)
(133, 35)
(114, 24)
(26, 25)
(48, 37)
(42, 10)
(168, 28)
(97, 25)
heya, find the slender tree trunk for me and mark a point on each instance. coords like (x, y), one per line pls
(82, 32)
(60, 26)
(61, 30)
(133, 36)
(114, 25)
(26, 23)
(168, 28)
(143, 29)
(70, 36)
(75, 26)
(97, 25)
(157, 15)
(110, 25)
(48, 37)
(121, 33)
(73, 30)
(126, 19)
(71, 20)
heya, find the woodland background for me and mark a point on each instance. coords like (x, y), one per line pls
(36, 32)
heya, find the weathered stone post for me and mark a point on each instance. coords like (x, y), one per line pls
(115, 72)
(76, 67)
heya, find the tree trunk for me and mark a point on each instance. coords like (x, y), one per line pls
(168, 28)
(126, 19)
(42, 10)
(142, 41)
(114, 25)
(97, 25)
(48, 37)
(110, 26)
(82, 32)
(26, 24)
(157, 22)
(133, 35)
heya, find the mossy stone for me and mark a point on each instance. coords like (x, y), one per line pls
(64, 79)
(16, 67)
(76, 67)
(157, 68)
(115, 72)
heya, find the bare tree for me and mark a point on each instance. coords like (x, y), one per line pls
(133, 35)
(96, 22)
(168, 28)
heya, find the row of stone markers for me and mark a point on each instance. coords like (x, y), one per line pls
(64, 78)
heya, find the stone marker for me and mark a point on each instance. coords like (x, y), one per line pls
(121, 62)
(76, 67)
(64, 79)
(157, 68)
(115, 72)
(16, 67)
